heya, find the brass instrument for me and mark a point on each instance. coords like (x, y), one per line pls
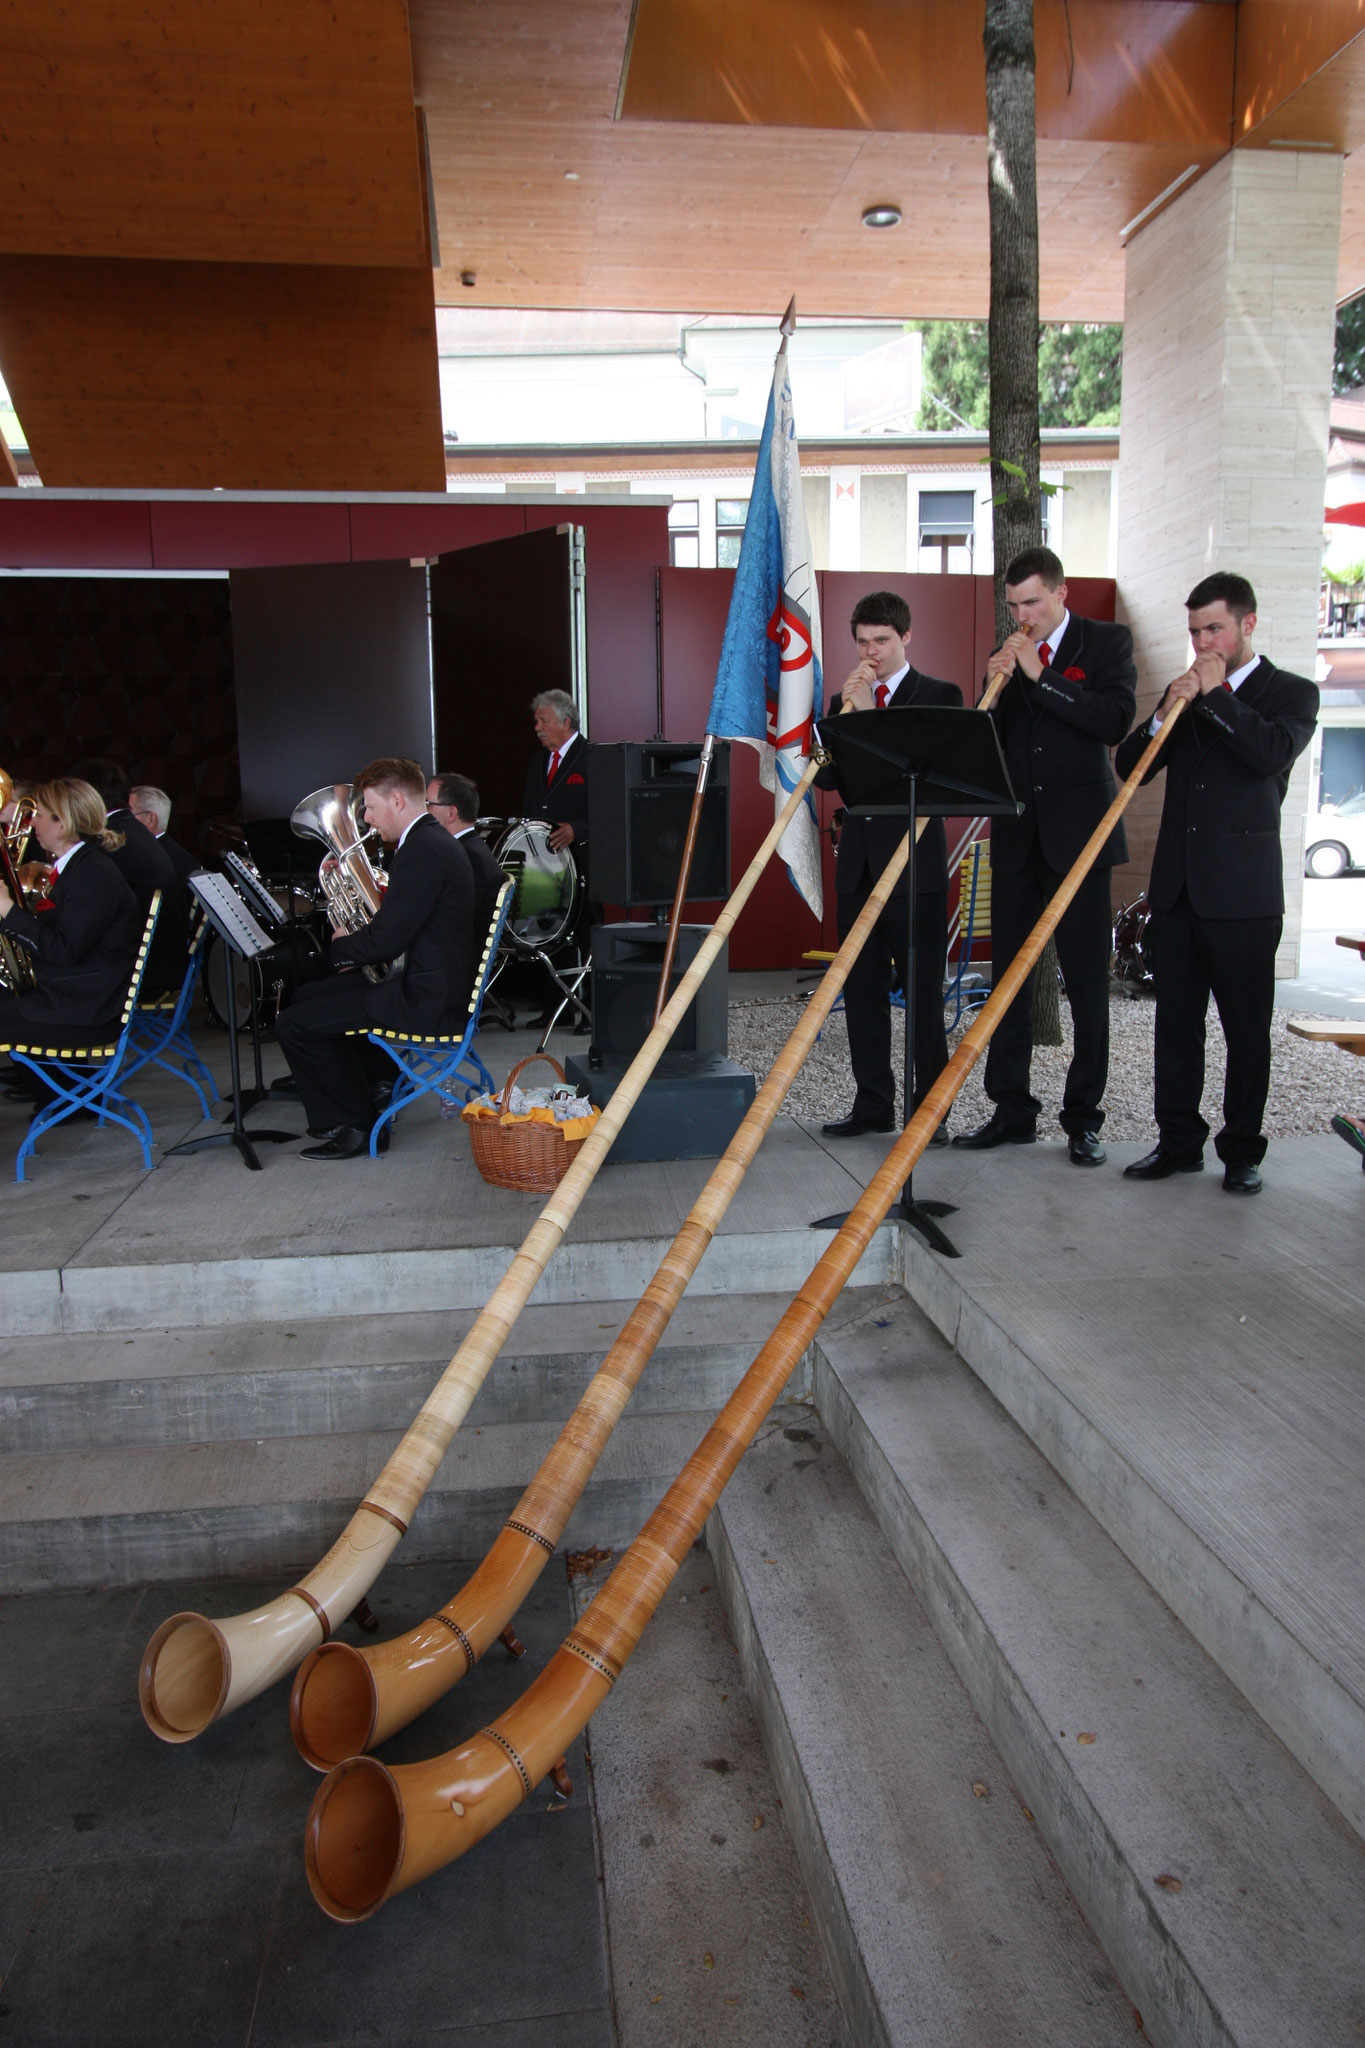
(16, 965)
(352, 884)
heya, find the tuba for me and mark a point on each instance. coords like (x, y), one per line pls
(352, 884)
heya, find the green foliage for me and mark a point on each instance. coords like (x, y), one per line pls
(1347, 578)
(1079, 373)
(1348, 356)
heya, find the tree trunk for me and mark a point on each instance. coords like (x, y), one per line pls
(1011, 158)
(1012, 185)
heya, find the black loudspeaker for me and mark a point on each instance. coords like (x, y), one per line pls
(627, 960)
(639, 801)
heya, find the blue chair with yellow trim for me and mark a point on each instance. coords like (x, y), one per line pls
(84, 1077)
(160, 1034)
(433, 1064)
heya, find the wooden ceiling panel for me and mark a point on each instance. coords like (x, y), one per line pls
(244, 376)
(1282, 45)
(210, 130)
(1107, 70)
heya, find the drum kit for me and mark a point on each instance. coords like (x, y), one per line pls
(546, 904)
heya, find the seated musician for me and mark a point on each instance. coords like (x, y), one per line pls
(152, 807)
(453, 801)
(427, 917)
(84, 947)
(146, 868)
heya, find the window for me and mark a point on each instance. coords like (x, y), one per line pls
(947, 520)
(731, 514)
(684, 541)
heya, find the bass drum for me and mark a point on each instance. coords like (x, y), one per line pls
(546, 884)
(253, 988)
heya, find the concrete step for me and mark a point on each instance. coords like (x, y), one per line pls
(104, 1518)
(1199, 1387)
(1229, 1893)
(179, 1294)
(351, 1373)
(945, 1921)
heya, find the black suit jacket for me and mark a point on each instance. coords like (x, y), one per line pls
(488, 879)
(867, 844)
(428, 916)
(565, 801)
(179, 857)
(1055, 735)
(145, 865)
(83, 948)
(1227, 768)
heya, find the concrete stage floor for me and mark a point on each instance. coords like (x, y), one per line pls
(1190, 1363)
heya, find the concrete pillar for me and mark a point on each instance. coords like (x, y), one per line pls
(1229, 312)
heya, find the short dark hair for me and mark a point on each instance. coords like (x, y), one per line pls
(391, 772)
(108, 778)
(881, 608)
(460, 793)
(1036, 562)
(1234, 591)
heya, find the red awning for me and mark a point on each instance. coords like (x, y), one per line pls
(1344, 515)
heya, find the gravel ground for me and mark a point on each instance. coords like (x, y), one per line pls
(1309, 1083)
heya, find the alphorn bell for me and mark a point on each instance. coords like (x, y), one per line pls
(195, 1670)
(347, 1699)
(374, 1831)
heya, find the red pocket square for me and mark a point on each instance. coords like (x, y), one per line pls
(1074, 675)
(579, 779)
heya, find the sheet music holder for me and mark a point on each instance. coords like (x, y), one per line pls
(242, 936)
(914, 761)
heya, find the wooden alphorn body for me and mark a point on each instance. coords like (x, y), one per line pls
(195, 1670)
(374, 1831)
(345, 1699)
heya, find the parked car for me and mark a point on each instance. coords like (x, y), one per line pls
(1340, 842)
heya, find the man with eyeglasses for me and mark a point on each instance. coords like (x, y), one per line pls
(453, 801)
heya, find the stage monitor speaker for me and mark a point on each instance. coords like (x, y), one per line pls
(639, 801)
(627, 960)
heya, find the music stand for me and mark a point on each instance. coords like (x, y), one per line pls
(914, 761)
(241, 935)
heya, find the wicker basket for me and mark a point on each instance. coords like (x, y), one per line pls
(532, 1156)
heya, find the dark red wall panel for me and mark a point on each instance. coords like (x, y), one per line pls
(200, 535)
(383, 533)
(73, 533)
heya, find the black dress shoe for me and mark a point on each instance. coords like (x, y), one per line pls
(853, 1127)
(1159, 1165)
(1084, 1149)
(345, 1142)
(992, 1133)
(1242, 1180)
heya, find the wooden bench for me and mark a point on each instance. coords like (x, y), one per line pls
(1350, 1037)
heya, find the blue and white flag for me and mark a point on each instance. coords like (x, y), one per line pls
(768, 685)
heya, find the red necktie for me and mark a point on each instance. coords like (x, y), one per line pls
(883, 692)
(1045, 654)
(554, 768)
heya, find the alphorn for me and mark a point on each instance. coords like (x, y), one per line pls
(195, 1670)
(346, 1699)
(373, 1831)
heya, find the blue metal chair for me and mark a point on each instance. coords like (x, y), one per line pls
(89, 1086)
(432, 1065)
(160, 1033)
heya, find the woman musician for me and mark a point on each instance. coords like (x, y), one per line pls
(84, 947)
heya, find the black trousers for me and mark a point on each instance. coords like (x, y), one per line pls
(1232, 959)
(336, 1074)
(1085, 939)
(867, 998)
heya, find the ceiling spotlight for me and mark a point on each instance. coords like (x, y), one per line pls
(882, 217)
(572, 176)
(468, 279)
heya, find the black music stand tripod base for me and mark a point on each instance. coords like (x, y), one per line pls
(913, 761)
